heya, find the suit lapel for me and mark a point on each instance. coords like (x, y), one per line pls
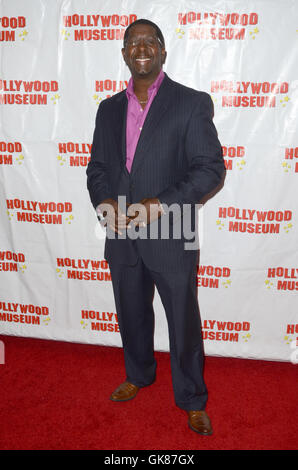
(119, 125)
(123, 131)
(156, 113)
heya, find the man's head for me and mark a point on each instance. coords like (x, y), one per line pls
(144, 49)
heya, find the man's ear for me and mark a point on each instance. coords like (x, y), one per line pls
(164, 56)
(123, 54)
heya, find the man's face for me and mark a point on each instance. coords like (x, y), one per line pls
(143, 53)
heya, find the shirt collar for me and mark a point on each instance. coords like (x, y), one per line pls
(155, 85)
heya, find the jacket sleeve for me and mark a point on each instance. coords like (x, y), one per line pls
(97, 176)
(204, 154)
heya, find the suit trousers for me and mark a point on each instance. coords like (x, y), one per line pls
(134, 292)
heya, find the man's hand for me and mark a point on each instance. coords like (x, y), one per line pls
(114, 218)
(146, 211)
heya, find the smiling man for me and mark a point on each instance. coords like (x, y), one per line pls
(155, 145)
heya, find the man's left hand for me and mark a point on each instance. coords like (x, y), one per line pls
(146, 211)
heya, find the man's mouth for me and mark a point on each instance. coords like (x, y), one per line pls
(142, 60)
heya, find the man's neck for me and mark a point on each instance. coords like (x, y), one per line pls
(141, 85)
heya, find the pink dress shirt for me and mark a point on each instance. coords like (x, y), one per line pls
(136, 116)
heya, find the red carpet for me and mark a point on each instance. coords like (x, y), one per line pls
(55, 395)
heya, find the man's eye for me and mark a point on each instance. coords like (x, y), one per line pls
(148, 42)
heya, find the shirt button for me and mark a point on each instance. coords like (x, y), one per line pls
(141, 128)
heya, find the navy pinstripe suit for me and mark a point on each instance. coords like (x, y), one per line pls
(178, 159)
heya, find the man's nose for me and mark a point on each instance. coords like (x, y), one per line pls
(142, 44)
(141, 47)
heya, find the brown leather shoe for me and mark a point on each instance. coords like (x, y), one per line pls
(125, 392)
(199, 422)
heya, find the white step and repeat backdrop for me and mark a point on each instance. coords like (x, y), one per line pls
(59, 59)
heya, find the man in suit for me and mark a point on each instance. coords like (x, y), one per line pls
(155, 147)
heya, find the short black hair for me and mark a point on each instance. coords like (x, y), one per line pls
(148, 22)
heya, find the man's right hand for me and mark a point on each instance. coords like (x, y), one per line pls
(114, 218)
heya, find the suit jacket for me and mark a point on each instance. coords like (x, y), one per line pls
(178, 159)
